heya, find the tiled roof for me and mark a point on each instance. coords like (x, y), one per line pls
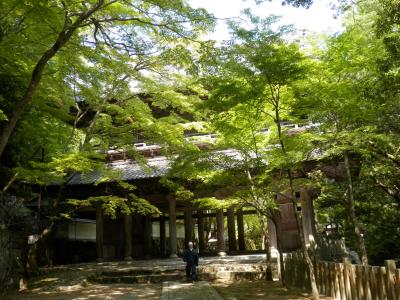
(159, 166)
(130, 170)
(154, 167)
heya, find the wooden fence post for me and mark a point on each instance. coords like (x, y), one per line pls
(322, 270)
(328, 281)
(342, 282)
(330, 285)
(287, 270)
(332, 279)
(381, 283)
(374, 284)
(297, 278)
(347, 281)
(319, 277)
(354, 294)
(367, 283)
(359, 282)
(390, 266)
(337, 281)
(397, 284)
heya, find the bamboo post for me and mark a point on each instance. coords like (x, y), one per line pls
(390, 266)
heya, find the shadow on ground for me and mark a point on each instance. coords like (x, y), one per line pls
(259, 290)
(93, 292)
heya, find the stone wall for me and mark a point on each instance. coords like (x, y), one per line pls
(10, 251)
(16, 224)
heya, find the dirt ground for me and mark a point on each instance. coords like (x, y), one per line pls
(92, 292)
(70, 282)
(257, 290)
(235, 291)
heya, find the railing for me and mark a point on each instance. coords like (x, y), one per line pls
(345, 281)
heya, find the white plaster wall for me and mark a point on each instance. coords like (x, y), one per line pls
(82, 230)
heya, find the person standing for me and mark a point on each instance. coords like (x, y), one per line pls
(192, 260)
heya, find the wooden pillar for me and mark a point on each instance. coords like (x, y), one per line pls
(240, 224)
(148, 242)
(273, 240)
(162, 236)
(188, 225)
(200, 227)
(99, 233)
(172, 228)
(127, 237)
(230, 214)
(220, 232)
(307, 217)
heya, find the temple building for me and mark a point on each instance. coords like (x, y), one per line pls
(138, 236)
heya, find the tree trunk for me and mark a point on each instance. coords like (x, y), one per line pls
(275, 217)
(89, 130)
(31, 267)
(267, 247)
(353, 217)
(310, 267)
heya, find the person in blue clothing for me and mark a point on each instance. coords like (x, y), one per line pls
(192, 260)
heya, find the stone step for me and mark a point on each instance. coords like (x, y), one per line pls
(127, 272)
(240, 268)
(225, 276)
(229, 276)
(146, 278)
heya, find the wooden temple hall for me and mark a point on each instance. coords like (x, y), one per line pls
(136, 236)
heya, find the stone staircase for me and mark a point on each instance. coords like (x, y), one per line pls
(231, 272)
(137, 276)
(213, 272)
